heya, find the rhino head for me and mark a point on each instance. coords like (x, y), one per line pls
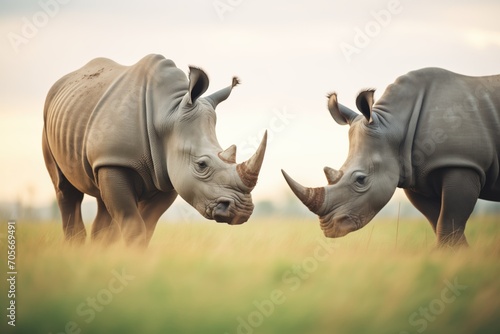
(366, 181)
(202, 173)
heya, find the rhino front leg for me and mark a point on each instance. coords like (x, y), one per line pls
(429, 207)
(117, 186)
(460, 190)
(152, 209)
(104, 229)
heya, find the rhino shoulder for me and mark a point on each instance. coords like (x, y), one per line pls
(425, 75)
(100, 62)
(153, 59)
(153, 62)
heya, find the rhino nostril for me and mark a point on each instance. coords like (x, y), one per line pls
(223, 206)
(222, 212)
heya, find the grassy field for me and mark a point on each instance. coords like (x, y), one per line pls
(267, 276)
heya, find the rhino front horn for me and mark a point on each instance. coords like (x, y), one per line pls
(248, 171)
(313, 198)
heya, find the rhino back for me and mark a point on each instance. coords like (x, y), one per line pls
(104, 114)
(458, 126)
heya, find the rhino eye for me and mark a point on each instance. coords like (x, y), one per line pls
(202, 165)
(361, 180)
(202, 168)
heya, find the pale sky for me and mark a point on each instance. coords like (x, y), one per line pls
(288, 55)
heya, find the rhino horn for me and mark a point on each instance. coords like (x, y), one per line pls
(229, 154)
(332, 175)
(215, 98)
(313, 198)
(248, 171)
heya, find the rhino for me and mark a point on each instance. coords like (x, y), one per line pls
(433, 133)
(135, 137)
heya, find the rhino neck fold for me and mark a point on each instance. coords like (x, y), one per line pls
(406, 175)
(399, 109)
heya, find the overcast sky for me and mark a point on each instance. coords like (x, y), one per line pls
(288, 54)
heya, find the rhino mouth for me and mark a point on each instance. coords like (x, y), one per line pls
(339, 226)
(226, 210)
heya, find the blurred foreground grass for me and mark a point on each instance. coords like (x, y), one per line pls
(265, 276)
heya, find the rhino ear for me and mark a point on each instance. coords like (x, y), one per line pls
(364, 102)
(341, 114)
(221, 95)
(198, 83)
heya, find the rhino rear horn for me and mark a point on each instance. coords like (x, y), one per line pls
(332, 175)
(221, 95)
(229, 154)
(340, 113)
(313, 198)
(248, 171)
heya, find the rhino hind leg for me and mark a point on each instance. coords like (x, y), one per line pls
(119, 194)
(152, 209)
(69, 199)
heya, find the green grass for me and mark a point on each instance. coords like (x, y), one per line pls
(265, 276)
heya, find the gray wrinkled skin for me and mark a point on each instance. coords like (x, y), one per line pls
(434, 133)
(134, 137)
